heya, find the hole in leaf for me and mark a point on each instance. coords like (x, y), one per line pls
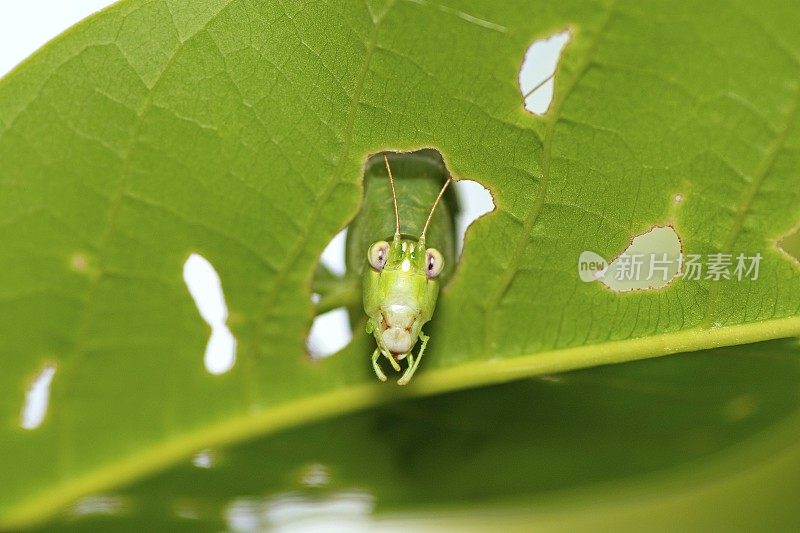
(329, 333)
(37, 398)
(651, 261)
(537, 74)
(342, 511)
(244, 515)
(205, 287)
(331, 330)
(315, 475)
(100, 505)
(204, 459)
(475, 202)
(333, 254)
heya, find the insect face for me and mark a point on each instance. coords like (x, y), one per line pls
(401, 293)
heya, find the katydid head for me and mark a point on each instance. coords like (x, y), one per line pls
(400, 290)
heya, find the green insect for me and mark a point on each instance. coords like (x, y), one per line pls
(401, 256)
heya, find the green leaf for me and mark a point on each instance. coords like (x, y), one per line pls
(699, 434)
(238, 130)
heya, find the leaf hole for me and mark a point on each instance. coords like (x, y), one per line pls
(537, 74)
(476, 201)
(204, 459)
(651, 261)
(205, 288)
(343, 511)
(37, 398)
(315, 475)
(330, 332)
(99, 505)
(340, 511)
(333, 254)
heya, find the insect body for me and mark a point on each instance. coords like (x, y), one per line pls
(401, 272)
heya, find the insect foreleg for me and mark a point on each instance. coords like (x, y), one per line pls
(392, 360)
(412, 367)
(378, 371)
(373, 328)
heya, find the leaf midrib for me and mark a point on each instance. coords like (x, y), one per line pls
(369, 394)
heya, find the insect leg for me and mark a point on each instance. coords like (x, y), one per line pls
(372, 327)
(378, 371)
(391, 359)
(333, 291)
(406, 377)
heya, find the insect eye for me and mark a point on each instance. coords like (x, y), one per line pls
(378, 254)
(434, 262)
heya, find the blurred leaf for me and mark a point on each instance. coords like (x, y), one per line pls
(543, 451)
(238, 130)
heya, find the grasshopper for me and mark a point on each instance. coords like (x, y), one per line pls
(400, 268)
(401, 286)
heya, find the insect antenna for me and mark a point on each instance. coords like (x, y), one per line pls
(394, 199)
(435, 203)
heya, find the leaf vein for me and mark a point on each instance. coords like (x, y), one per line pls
(749, 194)
(552, 119)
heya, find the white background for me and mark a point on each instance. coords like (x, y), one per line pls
(26, 25)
